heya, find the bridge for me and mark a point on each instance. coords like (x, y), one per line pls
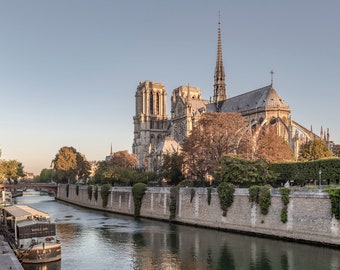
(40, 186)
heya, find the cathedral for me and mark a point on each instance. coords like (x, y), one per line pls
(157, 134)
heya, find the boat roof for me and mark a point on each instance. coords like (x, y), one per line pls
(24, 210)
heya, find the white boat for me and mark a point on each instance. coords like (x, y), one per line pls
(31, 233)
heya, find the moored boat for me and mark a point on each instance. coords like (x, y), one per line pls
(31, 233)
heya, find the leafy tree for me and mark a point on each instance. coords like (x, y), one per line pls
(272, 147)
(47, 175)
(215, 135)
(11, 170)
(335, 150)
(314, 150)
(242, 172)
(123, 159)
(171, 168)
(70, 165)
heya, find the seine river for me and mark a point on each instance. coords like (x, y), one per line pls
(97, 241)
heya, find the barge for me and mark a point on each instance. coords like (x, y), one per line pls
(31, 233)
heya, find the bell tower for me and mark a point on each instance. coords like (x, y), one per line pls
(150, 120)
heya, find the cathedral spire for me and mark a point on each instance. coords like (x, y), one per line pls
(219, 77)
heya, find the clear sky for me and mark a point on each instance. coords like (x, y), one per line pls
(69, 68)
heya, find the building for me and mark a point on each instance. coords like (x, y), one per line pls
(156, 135)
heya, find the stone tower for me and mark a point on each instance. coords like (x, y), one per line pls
(219, 77)
(150, 121)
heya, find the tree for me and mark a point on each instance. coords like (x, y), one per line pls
(11, 170)
(215, 135)
(171, 168)
(124, 160)
(242, 172)
(47, 175)
(70, 165)
(272, 147)
(314, 150)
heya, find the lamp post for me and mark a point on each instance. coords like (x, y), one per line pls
(320, 178)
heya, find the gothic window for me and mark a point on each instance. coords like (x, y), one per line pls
(157, 103)
(151, 103)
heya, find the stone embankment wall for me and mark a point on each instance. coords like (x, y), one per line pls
(309, 211)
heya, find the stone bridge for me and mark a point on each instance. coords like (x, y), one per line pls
(40, 186)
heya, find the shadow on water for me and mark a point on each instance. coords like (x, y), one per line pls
(44, 266)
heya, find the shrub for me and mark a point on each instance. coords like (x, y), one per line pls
(334, 195)
(285, 199)
(138, 191)
(192, 194)
(89, 192)
(265, 199)
(261, 195)
(254, 194)
(226, 195)
(104, 193)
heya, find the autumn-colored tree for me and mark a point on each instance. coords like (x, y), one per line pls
(123, 159)
(336, 150)
(272, 147)
(215, 135)
(314, 150)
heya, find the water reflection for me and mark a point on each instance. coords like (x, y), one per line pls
(95, 240)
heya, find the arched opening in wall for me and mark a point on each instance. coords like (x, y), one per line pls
(157, 102)
(159, 138)
(151, 103)
(273, 121)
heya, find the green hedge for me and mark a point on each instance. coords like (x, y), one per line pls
(304, 171)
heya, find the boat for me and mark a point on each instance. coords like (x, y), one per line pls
(31, 234)
(5, 198)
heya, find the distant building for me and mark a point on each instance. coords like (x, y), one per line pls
(156, 135)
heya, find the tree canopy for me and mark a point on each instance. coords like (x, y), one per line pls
(242, 172)
(10, 170)
(272, 147)
(314, 150)
(171, 168)
(123, 159)
(70, 165)
(215, 135)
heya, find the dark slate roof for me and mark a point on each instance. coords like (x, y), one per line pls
(265, 97)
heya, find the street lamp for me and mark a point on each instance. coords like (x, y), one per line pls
(320, 178)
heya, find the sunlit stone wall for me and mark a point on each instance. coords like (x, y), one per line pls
(309, 211)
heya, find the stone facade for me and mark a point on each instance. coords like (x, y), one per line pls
(309, 212)
(260, 107)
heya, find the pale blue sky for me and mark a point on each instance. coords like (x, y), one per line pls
(69, 68)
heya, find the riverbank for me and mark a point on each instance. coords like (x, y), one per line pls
(309, 217)
(7, 257)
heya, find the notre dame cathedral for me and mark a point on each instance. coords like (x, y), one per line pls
(155, 134)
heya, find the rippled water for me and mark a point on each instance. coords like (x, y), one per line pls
(98, 240)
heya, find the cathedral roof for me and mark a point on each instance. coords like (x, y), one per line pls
(262, 98)
(168, 146)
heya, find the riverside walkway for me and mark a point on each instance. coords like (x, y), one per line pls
(8, 260)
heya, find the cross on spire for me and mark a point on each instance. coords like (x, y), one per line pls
(272, 76)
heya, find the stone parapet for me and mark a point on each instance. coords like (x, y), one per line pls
(309, 211)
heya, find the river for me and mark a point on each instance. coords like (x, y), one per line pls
(98, 241)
